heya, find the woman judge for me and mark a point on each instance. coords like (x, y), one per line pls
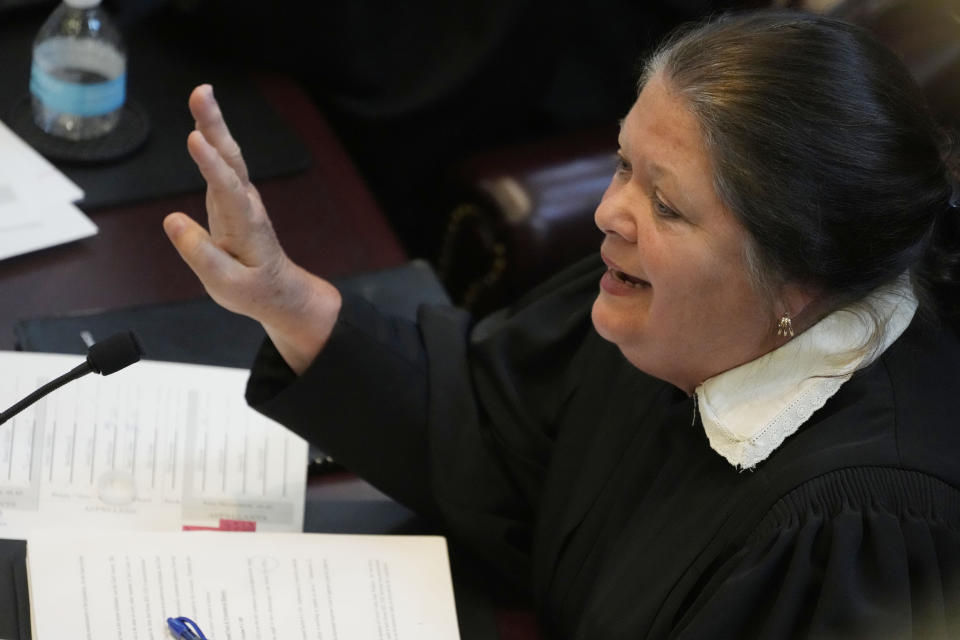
(738, 420)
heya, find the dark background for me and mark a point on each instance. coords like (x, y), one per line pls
(414, 88)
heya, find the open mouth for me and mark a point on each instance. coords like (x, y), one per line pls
(627, 279)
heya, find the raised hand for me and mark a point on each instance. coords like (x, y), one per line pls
(239, 260)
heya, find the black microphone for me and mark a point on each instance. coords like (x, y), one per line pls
(105, 357)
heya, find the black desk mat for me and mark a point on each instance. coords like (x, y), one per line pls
(14, 597)
(201, 332)
(161, 71)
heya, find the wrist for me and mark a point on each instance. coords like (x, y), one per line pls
(301, 323)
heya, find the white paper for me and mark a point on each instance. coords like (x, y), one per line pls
(42, 225)
(35, 201)
(242, 586)
(156, 446)
(22, 168)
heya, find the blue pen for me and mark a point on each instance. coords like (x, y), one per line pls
(185, 629)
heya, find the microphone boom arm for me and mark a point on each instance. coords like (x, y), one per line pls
(105, 357)
(77, 372)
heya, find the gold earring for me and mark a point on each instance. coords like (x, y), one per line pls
(785, 326)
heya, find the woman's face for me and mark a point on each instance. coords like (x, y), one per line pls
(676, 298)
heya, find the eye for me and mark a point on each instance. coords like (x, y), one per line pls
(622, 165)
(663, 210)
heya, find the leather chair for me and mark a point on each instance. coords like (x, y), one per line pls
(524, 213)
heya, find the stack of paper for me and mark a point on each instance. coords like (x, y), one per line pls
(36, 209)
(159, 446)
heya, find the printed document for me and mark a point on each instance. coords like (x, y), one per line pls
(36, 209)
(157, 446)
(235, 586)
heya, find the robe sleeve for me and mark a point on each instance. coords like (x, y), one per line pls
(454, 420)
(856, 553)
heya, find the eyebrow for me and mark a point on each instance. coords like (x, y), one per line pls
(654, 168)
(660, 170)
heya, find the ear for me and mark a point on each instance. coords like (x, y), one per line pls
(800, 301)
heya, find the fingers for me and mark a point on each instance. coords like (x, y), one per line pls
(230, 212)
(209, 121)
(222, 179)
(239, 259)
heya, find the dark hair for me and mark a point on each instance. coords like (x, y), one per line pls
(825, 149)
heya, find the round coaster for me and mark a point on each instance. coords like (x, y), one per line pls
(131, 132)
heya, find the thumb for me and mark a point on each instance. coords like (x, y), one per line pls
(212, 264)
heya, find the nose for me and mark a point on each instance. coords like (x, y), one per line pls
(613, 214)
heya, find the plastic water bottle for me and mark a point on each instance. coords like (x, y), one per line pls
(79, 72)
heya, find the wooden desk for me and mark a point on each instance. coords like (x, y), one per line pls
(325, 218)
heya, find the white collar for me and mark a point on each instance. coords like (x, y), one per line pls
(749, 410)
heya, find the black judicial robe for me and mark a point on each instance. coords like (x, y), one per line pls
(536, 443)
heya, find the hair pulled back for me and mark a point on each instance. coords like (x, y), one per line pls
(825, 149)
